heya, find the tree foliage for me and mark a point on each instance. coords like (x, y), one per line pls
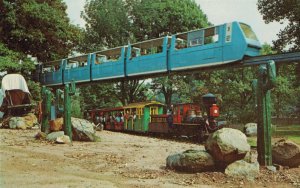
(40, 28)
(283, 10)
(107, 24)
(152, 18)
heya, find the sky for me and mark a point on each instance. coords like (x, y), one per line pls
(217, 11)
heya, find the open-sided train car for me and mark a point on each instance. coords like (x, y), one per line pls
(202, 48)
(109, 118)
(138, 115)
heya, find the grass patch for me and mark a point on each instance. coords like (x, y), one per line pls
(291, 132)
(252, 141)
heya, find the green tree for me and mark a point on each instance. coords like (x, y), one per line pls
(98, 96)
(152, 18)
(283, 10)
(107, 24)
(129, 91)
(39, 28)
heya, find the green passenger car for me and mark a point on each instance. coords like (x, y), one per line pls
(137, 116)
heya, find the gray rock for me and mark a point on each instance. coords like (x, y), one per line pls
(17, 123)
(271, 168)
(54, 135)
(227, 145)
(83, 130)
(64, 139)
(286, 153)
(13, 123)
(191, 161)
(251, 129)
(243, 169)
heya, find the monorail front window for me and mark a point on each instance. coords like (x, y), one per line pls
(248, 31)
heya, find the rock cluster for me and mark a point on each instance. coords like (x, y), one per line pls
(82, 130)
(25, 122)
(225, 148)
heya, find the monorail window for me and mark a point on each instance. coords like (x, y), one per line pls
(211, 35)
(248, 31)
(53, 66)
(149, 47)
(110, 55)
(75, 62)
(197, 38)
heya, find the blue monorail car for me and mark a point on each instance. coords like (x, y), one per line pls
(148, 57)
(77, 69)
(52, 73)
(212, 46)
(202, 48)
(108, 64)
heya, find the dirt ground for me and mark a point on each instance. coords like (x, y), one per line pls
(119, 160)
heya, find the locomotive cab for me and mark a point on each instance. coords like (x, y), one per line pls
(210, 103)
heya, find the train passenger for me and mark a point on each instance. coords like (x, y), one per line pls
(127, 115)
(118, 118)
(121, 116)
(170, 118)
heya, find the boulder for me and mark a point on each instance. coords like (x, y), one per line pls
(83, 130)
(286, 153)
(243, 169)
(64, 139)
(191, 161)
(54, 135)
(227, 145)
(40, 136)
(251, 129)
(57, 124)
(30, 120)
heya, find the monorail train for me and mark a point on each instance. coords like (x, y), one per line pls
(195, 49)
(147, 117)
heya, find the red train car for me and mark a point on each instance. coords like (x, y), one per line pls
(184, 119)
(109, 118)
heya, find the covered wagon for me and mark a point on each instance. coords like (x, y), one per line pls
(16, 96)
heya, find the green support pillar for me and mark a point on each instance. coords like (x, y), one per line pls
(46, 108)
(266, 81)
(68, 92)
(59, 101)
